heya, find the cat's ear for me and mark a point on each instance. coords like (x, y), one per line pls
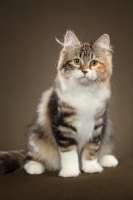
(104, 43)
(70, 40)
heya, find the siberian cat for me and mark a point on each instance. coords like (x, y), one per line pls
(72, 130)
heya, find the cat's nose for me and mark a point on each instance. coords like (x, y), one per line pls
(85, 72)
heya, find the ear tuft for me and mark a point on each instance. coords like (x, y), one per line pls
(59, 41)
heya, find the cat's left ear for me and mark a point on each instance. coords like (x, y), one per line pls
(70, 40)
(104, 43)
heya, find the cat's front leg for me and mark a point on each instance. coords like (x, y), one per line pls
(67, 145)
(66, 137)
(89, 157)
(69, 163)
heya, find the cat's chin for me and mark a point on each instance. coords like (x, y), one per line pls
(84, 81)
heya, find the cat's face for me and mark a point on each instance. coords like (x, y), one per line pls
(85, 63)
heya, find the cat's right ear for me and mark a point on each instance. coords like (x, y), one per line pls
(70, 40)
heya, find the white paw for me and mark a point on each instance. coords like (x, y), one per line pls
(91, 166)
(33, 167)
(108, 161)
(69, 164)
(70, 172)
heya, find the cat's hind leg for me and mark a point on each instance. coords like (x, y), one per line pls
(41, 155)
(33, 167)
(89, 158)
(108, 161)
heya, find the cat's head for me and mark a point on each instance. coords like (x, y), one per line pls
(85, 63)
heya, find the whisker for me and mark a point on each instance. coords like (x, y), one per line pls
(114, 89)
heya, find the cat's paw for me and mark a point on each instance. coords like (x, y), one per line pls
(69, 172)
(91, 166)
(108, 161)
(33, 167)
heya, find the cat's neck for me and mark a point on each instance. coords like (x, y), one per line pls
(72, 88)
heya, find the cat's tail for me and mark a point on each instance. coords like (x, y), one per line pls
(11, 161)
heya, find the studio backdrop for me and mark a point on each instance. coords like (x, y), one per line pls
(29, 54)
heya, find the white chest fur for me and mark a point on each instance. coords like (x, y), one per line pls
(86, 102)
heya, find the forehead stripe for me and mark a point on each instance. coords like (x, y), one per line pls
(85, 50)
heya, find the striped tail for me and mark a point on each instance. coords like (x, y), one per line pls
(11, 161)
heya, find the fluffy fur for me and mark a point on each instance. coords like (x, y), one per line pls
(72, 129)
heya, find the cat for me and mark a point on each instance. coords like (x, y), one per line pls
(72, 131)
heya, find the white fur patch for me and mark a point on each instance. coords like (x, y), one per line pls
(33, 167)
(86, 101)
(33, 146)
(92, 75)
(69, 164)
(91, 166)
(108, 161)
(42, 107)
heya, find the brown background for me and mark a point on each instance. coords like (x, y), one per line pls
(28, 54)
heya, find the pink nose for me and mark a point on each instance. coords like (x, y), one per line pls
(85, 72)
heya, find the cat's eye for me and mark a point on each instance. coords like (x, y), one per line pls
(93, 63)
(77, 61)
